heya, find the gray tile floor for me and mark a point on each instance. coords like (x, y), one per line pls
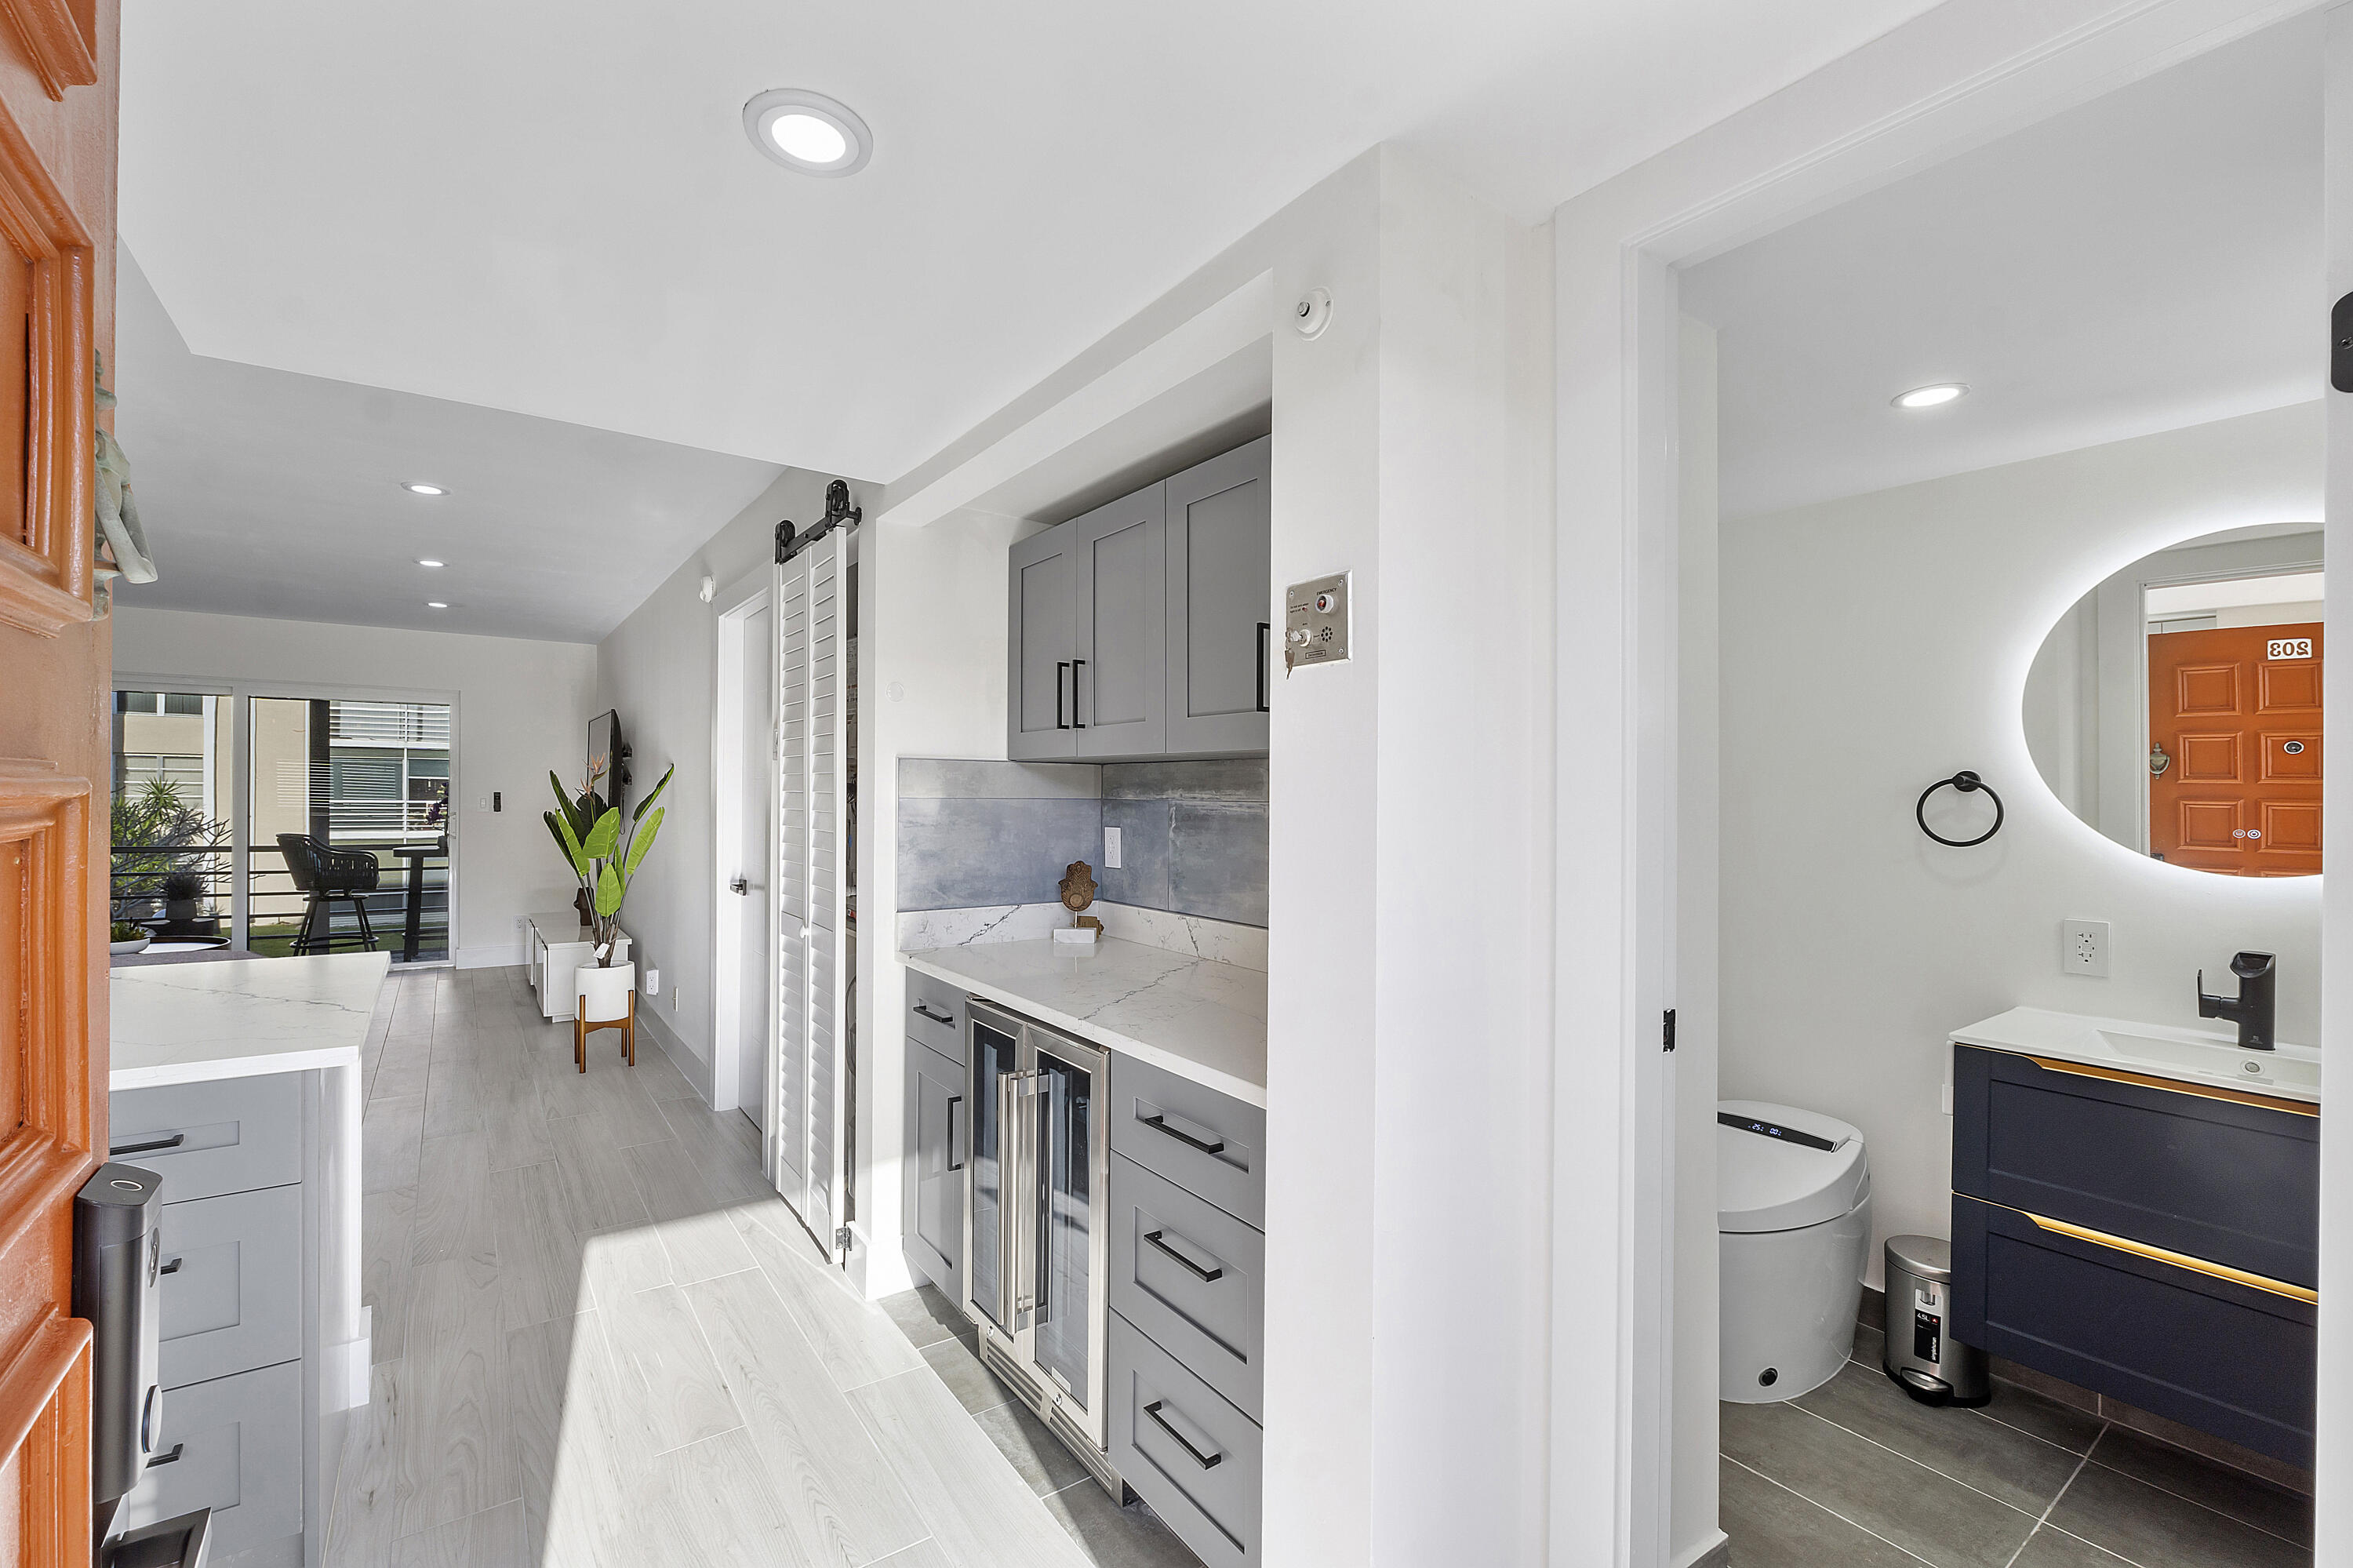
(601, 1340)
(1857, 1475)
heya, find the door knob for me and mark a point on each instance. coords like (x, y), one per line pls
(739, 886)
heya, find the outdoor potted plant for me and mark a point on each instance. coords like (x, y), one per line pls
(605, 859)
(183, 889)
(127, 936)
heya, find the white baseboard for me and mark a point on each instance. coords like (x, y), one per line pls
(695, 1070)
(492, 956)
(1715, 1552)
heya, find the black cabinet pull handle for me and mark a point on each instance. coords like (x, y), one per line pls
(1076, 722)
(1207, 1461)
(1265, 633)
(1206, 1275)
(954, 1163)
(173, 1267)
(935, 1017)
(173, 1141)
(1156, 1122)
(173, 1456)
(1059, 722)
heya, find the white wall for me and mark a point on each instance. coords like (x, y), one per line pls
(521, 709)
(659, 670)
(1875, 644)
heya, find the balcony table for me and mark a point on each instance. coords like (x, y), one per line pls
(415, 855)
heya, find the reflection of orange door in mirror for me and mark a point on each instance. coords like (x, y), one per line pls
(2237, 709)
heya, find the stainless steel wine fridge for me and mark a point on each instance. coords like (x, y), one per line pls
(1034, 1239)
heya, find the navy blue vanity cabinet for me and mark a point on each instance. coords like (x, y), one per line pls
(2159, 1244)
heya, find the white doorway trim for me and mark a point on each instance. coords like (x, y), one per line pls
(1955, 77)
(735, 605)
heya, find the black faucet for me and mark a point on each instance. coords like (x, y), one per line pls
(2252, 1006)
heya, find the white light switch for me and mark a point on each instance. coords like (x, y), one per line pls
(1110, 849)
(2084, 947)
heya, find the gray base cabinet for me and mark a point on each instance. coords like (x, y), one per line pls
(239, 1301)
(938, 1134)
(1144, 629)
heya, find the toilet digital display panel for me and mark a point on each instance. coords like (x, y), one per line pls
(1773, 1130)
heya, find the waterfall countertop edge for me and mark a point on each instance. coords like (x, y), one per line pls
(188, 1023)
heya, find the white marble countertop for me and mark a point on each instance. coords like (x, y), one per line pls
(1196, 1017)
(2152, 1049)
(186, 1023)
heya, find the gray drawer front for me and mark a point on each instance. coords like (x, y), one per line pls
(235, 1302)
(235, 1134)
(1207, 1492)
(1163, 1241)
(240, 1441)
(1208, 1143)
(935, 1015)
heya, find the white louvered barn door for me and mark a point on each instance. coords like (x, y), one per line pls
(805, 1141)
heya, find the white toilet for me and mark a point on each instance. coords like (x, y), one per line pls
(1793, 1218)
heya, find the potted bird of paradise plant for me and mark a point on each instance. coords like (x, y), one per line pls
(605, 856)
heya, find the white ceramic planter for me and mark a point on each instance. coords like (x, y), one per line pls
(603, 993)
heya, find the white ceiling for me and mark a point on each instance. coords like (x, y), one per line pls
(273, 494)
(2147, 261)
(552, 209)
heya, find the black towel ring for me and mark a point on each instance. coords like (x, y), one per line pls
(1965, 782)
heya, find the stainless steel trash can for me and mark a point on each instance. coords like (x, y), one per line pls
(1925, 1361)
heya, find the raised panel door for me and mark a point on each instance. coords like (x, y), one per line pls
(1119, 670)
(937, 1141)
(1039, 616)
(2235, 721)
(1220, 590)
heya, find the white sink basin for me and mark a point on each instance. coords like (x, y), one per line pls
(2188, 1055)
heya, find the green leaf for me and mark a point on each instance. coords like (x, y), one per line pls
(572, 846)
(603, 836)
(656, 794)
(642, 841)
(609, 890)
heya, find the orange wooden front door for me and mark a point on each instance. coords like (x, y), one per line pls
(56, 292)
(2238, 711)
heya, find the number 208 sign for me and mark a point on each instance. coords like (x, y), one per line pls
(2288, 648)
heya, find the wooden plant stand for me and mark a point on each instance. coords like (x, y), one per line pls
(628, 1026)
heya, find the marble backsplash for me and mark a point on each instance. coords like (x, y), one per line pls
(1194, 935)
(996, 836)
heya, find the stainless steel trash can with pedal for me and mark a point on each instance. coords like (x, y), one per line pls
(1925, 1361)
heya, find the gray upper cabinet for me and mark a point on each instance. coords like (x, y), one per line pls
(1142, 629)
(1220, 589)
(1040, 626)
(1120, 686)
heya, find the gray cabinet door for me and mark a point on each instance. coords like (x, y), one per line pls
(1120, 557)
(1221, 591)
(1038, 634)
(938, 1135)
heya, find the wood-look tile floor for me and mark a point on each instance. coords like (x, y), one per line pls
(1858, 1475)
(600, 1338)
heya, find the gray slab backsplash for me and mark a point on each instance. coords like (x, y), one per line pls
(1193, 834)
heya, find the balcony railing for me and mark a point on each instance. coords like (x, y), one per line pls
(275, 907)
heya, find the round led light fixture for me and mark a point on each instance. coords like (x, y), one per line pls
(422, 562)
(1935, 396)
(809, 131)
(435, 604)
(417, 487)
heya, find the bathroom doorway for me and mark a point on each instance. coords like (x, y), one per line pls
(745, 767)
(1919, 428)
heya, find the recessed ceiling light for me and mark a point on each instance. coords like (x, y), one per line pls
(1934, 396)
(435, 604)
(807, 131)
(422, 562)
(417, 489)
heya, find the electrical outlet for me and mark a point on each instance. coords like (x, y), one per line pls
(2084, 947)
(1110, 849)
(653, 982)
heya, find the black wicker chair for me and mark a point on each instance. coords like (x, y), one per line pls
(329, 876)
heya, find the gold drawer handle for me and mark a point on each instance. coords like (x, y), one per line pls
(2171, 1085)
(2179, 1260)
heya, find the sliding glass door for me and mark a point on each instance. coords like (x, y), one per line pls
(323, 827)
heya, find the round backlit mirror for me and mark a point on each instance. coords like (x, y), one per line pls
(2176, 706)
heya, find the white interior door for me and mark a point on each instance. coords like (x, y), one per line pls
(755, 812)
(806, 1139)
